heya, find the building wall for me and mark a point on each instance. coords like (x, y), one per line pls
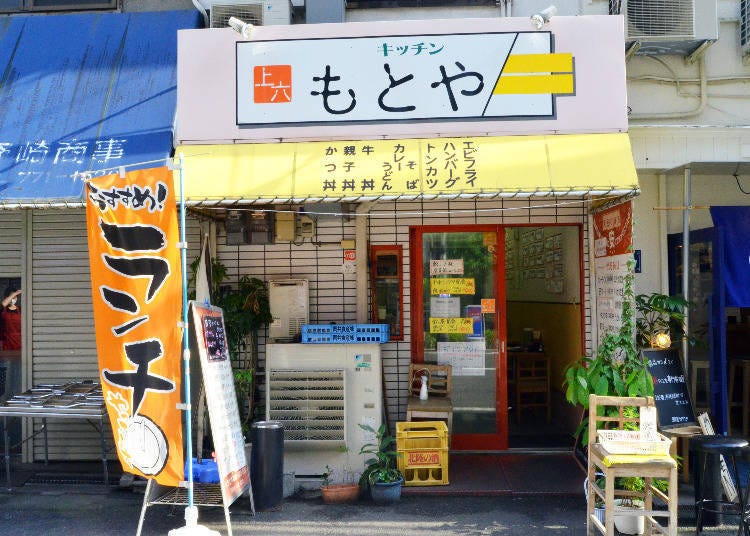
(333, 293)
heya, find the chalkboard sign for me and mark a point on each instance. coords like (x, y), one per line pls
(671, 393)
(214, 337)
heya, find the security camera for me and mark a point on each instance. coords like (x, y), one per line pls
(543, 17)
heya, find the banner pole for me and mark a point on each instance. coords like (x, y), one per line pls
(185, 349)
(191, 528)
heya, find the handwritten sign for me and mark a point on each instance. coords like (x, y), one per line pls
(465, 358)
(447, 267)
(452, 285)
(671, 393)
(214, 337)
(452, 325)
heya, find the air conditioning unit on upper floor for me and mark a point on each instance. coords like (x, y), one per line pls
(679, 27)
(257, 12)
(745, 30)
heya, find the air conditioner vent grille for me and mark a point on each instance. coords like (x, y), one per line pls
(250, 12)
(745, 25)
(309, 403)
(669, 19)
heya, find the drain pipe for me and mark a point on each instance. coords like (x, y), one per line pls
(703, 100)
(202, 11)
(686, 259)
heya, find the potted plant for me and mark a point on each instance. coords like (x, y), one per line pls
(381, 473)
(246, 309)
(660, 319)
(337, 493)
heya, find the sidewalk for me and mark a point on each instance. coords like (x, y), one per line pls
(86, 509)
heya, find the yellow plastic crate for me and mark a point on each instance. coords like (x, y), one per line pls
(424, 467)
(421, 434)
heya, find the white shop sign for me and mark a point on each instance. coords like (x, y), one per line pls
(387, 78)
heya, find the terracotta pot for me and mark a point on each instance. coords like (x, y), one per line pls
(340, 493)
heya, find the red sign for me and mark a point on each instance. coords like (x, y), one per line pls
(350, 255)
(613, 230)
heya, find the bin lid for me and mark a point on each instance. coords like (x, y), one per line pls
(267, 424)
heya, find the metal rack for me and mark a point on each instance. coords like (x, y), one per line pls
(73, 400)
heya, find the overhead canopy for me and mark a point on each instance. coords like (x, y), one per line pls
(584, 164)
(83, 92)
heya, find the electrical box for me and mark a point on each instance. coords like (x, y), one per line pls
(289, 301)
(286, 226)
(260, 227)
(305, 227)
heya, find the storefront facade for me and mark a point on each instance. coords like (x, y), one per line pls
(476, 210)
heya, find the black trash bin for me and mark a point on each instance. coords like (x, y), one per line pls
(267, 464)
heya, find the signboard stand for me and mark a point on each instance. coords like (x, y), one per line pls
(208, 346)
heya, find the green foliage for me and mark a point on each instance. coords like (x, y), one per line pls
(659, 313)
(617, 369)
(383, 467)
(246, 309)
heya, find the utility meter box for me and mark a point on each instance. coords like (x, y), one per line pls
(289, 300)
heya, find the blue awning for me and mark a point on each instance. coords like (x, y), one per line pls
(84, 92)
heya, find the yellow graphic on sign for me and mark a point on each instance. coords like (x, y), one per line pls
(452, 325)
(452, 285)
(537, 74)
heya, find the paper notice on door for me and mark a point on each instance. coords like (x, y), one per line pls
(466, 358)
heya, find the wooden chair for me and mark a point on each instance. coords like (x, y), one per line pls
(621, 465)
(532, 383)
(438, 404)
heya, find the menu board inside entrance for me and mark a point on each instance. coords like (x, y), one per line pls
(207, 323)
(671, 394)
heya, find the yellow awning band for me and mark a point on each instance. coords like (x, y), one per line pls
(444, 167)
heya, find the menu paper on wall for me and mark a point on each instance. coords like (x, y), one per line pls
(229, 444)
(613, 239)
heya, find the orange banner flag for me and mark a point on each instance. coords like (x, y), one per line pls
(136, 286)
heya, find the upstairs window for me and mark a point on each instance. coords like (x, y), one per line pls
(19, 6)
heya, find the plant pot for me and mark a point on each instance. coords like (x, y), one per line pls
(629, 524)
(340, 493)
(386, 492)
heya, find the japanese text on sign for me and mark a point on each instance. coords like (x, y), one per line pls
(398, 78)
(452, 285)
(452, 325)
(447, 266)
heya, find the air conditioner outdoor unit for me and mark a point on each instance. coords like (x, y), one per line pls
(321, 393)
(677, 27)
(257, 12)
(745, 30)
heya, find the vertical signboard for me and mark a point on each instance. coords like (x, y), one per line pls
(613, 238)
(136, 290)
(207, 323)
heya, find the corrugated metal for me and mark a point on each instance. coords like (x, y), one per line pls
(333, 294)
(84, 92)
(63, 344)
(11, 243)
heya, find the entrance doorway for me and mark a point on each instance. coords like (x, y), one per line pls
(479, 291)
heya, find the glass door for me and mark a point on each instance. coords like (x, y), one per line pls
(458, 301)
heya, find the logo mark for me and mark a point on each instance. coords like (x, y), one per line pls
(272, 84)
